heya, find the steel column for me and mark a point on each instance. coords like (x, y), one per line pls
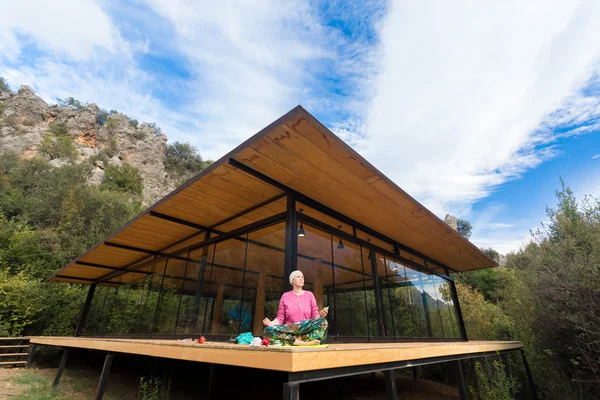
(30, 356)
(391, 392)
(378, 294)
(104, 376)
(291, 391)
(291, 240)
(61, 366)
(462, 386)
(211, 381)
(461, 321)
(86, 310)
(529, 376)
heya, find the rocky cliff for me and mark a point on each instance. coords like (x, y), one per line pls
(98, 138)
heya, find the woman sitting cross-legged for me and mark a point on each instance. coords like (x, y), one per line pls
(298, 321)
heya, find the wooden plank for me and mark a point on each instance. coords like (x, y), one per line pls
(13, 354)
(14, 346)
(6, 363)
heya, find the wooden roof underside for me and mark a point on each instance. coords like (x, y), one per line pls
(300, 153)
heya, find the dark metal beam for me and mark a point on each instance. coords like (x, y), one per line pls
(103, 383)
(324, 374)
(178, 220)
(61, 366)
(74, 278)
(87, 264)
(291, 240)
(533, 392)
(86, 310)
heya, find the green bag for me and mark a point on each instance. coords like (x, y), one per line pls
(244, 338)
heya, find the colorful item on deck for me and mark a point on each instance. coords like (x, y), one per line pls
(312, 329)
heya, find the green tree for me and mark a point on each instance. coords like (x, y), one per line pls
(71, 102)
(464, 227)
(126, 179)
(4, 86)
(184, 160)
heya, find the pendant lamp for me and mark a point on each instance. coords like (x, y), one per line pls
(301, 232)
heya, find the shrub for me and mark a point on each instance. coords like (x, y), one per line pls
(101, 116)
(57, 128)
(133, 123)
(8, 161)
(71, 102)
(111, 123)
(183, 159)
(126, 179)
(155, 388)
(58, 147)
(156, 130)
(4, 86)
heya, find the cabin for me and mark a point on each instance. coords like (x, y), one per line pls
(212, 258)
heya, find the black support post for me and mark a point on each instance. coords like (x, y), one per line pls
(212, 378)
(30, 356)
(61, 366)
(291, 391)
(391, 392)
(461, 322)
(104, 376)
(529, 376)
(201, 272)
(378, 294)
(462, 385)
(291, 239)
(86, 310)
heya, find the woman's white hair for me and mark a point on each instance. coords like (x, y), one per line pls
(293, 275)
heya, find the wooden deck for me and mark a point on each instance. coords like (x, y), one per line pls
(288, 359)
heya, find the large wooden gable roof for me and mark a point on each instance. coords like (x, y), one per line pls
(302, 154)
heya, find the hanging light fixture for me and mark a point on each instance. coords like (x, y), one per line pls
(301, 232)
(340, 244)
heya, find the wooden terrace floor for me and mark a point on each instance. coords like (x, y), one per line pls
(288, 359)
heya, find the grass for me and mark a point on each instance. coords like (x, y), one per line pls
(34, 384)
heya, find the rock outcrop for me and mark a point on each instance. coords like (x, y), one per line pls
(25, 119)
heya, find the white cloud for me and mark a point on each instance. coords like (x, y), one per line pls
(595, 156)
(75, 28)
(464, 88)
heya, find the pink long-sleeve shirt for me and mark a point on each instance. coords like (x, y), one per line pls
(294, 308)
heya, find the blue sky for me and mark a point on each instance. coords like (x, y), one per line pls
(474, 108)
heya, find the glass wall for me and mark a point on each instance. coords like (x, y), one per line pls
(230, 286)
(222, 289)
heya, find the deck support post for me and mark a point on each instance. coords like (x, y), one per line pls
(104, 376)
(212, 379)
(462, 385)
(30, 356)
(529, 376)
(415, 372)
(61, 366)
(86, 310)
(389, 376)
(291, 391)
